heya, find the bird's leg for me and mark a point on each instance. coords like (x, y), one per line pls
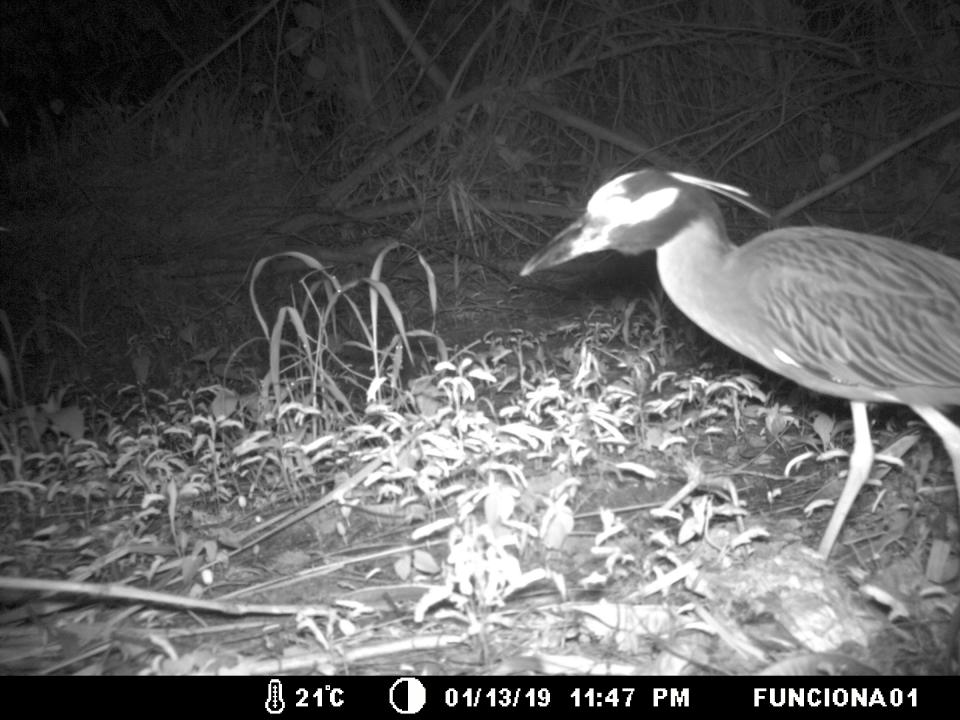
(861, 460)
(949, 434)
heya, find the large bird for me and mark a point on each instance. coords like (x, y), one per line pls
(861, 317)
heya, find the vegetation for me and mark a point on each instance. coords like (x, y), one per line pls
(265, 358)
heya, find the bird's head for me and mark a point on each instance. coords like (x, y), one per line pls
(637, 212)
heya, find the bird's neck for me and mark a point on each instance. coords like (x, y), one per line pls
(693, 269)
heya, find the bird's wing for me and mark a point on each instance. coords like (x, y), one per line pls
(857, 309)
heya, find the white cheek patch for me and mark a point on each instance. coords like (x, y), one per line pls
(614, 208)
(653, 204)
(589, 242)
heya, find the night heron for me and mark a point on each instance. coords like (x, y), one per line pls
(861, 317)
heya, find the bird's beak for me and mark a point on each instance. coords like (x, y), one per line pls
(580, 238)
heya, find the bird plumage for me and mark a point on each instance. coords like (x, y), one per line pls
(858, 316)
(862, 317)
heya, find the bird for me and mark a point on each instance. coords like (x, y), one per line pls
(866, 318)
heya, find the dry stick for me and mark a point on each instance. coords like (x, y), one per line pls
(261, 532)
(151, 597)
(601, 133)
(426, 123)
(184, 75)
(785, 120)
(474, 49)
(361, 53)
(867, 166)
(308, 661)
(434, 117)
(378, 211)
(413, 45)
